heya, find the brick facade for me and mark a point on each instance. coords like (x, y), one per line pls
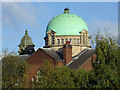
(88, 64)
(60, 63)
(67, 52)
(36, 61)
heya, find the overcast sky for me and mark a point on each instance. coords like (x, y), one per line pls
(35, 16)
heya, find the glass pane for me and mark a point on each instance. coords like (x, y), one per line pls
(74, 40)
(62, 41)
(78, 41)
(58, 41)
(66, 39)
(70, 40)
(83, 39)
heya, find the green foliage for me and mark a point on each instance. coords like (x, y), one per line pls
(106, 65)
(12, 71)
(81, 79)
(105, 73)
(58, 78)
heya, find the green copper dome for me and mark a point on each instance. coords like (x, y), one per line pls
(26, 41)
(67, 24)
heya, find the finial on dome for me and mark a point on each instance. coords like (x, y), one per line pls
(26, 32)
(66, 10)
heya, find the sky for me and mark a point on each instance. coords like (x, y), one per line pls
(35, 16)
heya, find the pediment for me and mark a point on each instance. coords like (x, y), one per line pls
(51, 32)
(84, 32)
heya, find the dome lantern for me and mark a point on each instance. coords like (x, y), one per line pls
(66, 10)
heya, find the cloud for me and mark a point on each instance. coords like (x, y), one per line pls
(103, 27)
(19, 14)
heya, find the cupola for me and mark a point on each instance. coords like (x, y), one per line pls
(26, 45)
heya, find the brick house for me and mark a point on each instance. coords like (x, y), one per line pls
(81, 61)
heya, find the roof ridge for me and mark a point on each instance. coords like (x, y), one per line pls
(82, 59)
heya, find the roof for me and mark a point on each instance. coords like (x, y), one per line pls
(24, 57)
(52, 53)
(67, 24)
(21, 58)
(25, 41)
(81, 58)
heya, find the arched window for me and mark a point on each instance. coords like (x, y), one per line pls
(74, 40)
(46, 41)
(66, 40)
(39, 75)
(70, 40)
(52, 39)
(33, 78)
(58, 41)
(62, 41)
(83, 39)
(78, 41)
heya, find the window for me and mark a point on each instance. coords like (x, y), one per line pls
(52, 39)
(78, 41)
(30, 51)
(83, 39)
(46, 41)
(66, 39)
(58, 41)
(33, 78)
(62, 41)
(70, 40)
(39, 75)
(74, 40)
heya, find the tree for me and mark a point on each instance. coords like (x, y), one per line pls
(13, 69)
(106, 65)
(60, 77)
(105, 73)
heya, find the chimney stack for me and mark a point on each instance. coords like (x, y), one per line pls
(67, 52)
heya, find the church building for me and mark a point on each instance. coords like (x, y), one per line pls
(67, 27)
(66, 44)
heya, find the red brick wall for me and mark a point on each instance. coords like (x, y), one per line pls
(88, 64)
(60, 63)
(94, 57)
(36, 61)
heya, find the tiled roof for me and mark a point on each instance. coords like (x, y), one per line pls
(77, 61)
(20, 57)
(54, 54)
(24, 57)
(82, 57)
